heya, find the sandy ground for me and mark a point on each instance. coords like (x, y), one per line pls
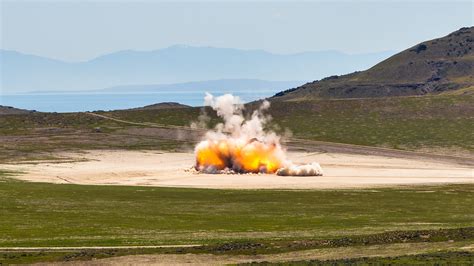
(145, 168)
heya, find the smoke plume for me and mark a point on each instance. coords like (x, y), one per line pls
(240, 145)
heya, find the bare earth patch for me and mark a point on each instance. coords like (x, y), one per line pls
(164, 169)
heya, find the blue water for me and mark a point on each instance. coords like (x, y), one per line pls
(97, 101)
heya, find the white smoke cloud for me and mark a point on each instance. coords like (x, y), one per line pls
(230, 108)
(312, 169)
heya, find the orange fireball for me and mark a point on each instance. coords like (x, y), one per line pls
(212, 154)
(250, 157)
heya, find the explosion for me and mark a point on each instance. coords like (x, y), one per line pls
(240, 145)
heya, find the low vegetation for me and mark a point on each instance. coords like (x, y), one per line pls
(434, 258)
(74, 215)
(227, 221)
(451, 247)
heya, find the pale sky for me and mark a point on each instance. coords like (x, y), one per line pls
(75, 30)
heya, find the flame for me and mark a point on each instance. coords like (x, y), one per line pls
(251, 156)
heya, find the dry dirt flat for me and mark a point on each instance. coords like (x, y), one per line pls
(145, 168)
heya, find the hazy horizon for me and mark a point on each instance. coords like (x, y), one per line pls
(24, 73)
(197, 46)
(74, 45)
(78, 31)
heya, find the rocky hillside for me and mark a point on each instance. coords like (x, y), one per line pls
(444, 65)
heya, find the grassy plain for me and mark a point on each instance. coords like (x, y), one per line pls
(228, 221)
(41, 214)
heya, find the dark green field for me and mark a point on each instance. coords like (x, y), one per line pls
(43, 215)
(74, 215)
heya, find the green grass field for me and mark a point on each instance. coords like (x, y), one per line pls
(41, 214)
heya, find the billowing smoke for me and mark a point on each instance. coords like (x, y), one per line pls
(311, 169)
(240, 145)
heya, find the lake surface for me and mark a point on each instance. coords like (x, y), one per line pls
(101, 101)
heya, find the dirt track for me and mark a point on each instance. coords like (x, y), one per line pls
(173, 170)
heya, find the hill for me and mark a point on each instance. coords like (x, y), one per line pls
(176, 64)
(8, 110)
(165, 105)
(432, 67)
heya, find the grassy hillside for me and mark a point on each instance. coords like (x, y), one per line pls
(412, 123)
(431, 67)
(430, 123)
(401, 122)
(8, 110)
(165, 105)
(37, 136)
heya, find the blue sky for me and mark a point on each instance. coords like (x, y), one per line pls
(79, 30)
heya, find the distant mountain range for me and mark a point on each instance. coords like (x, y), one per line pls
(177, 64)
(443, 65)
(211, 86)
